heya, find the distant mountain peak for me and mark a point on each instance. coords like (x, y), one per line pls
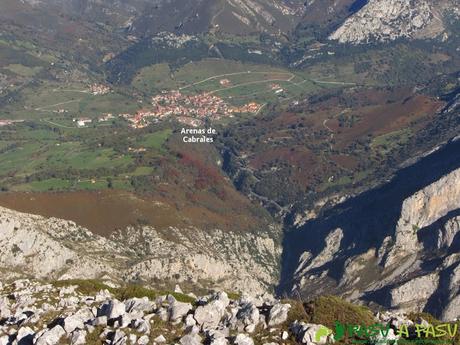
(387, 20)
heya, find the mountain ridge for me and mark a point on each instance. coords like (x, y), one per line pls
(55, 248)
(369, 256)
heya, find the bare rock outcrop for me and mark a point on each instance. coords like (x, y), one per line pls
(387, 20)
(232, 259)
(39, 318)
(416, 290)
(452, 310)
(423, 209)
(388, 257)
(59, 249)
(52, 247)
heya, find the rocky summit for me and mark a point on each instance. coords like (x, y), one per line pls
(387, 20)
(32, 312)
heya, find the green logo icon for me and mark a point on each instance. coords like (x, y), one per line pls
(322, 332)
(339, 331)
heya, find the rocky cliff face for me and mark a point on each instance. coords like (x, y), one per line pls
(58, 249)
(396, 246)
(387, 20)
(257, 15)
(421, 210)
(142, 17)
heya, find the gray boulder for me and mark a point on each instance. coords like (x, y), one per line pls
(4, 340)
(72, 323)
(177, 310)
(115, 309)
(141, 326)
(209, 315)
(217, 338)
(306, 333)
(51, 336)
(250, 328)
(192, 330)
(190, 339)
(4, 307)
(78, 337)
(394, 319)
(278, 314)
(243, 339)
(163, 314)
(125, 320)
(218, 341)
(248, 314)
(132, 338)
(139, 305)
(284, 335)
(25, 336)
(160, 339)
(190, 321)
(100, 321)
(112, 309)
(119, 338)
(143, 340)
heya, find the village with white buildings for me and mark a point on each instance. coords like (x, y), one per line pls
(187, 109)
(99, 89)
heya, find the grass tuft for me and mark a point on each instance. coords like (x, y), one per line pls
(326, 310)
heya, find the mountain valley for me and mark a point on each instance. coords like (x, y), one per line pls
(333, 167)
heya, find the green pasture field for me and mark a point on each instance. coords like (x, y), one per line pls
(47, 98)
(247, 82)
(24, 52)
(22, 70)
(155, 140)
(385, 143)
(161, 77)
(27, 152)
(30, 157)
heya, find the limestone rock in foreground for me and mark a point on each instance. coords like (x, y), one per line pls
(35, 314)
